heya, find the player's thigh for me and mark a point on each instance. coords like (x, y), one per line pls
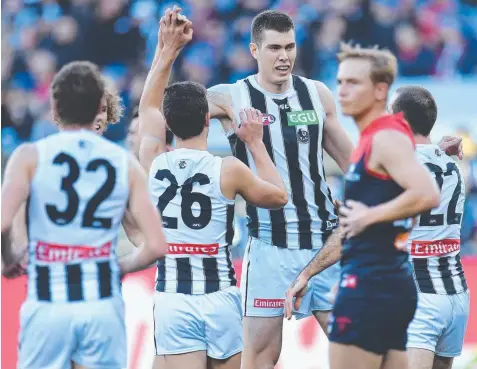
(430, 320)
(349, 356)
(323, 318)
(395, 360)
(190, 360)
(178, 324)
(267, 273)
(441, 362)
(222, 317)
(101, 334)
(263, 340)
(451, 341)
(420, 358)
(46, 335)
(232, 362)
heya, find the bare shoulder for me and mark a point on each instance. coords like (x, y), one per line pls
(25, 154)
(326, 96)
(231, 166)
(391, 140)
(220, 93)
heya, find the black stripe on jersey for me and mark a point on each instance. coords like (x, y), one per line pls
(233, 281)
(74, 276)
(240, 152)
(104, 278)
(211, 274)
(423, 277)
(184, 276)
(290, 144)
(247, 252)
(460, 270)
(161, 275)
(277, 217)
(229, 236)
(43, 283)
(314, 133)
(444, 269)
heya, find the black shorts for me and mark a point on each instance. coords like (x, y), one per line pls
(374, 323)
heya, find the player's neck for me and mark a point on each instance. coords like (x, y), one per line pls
(272, 87)
(422, 140)
(195, 143)
(368, 117)
(75, 127)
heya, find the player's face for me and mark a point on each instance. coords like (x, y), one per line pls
(132, 139)
(101, 119)
(356, 90)
(276, 55)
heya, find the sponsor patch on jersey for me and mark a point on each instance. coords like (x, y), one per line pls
(192, 249)
(268, 119)
(268, 303)
(304, 117)
(434, 248)
(53, 253)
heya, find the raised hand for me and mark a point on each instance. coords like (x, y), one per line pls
(175, 30)
(251, 126)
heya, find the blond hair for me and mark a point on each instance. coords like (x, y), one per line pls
(383, 62)
(114, 105)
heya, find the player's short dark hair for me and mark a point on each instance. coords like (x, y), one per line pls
(77, 91)
(169, 137)
(185, 109)
(270, 19)
(418, 106)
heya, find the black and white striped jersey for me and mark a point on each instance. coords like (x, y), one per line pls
(197, 220)
(434, 244)
(293, 136)
(77, 200)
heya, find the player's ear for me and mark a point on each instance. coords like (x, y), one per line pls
(381, 91)
(207, 120)
(254, 50)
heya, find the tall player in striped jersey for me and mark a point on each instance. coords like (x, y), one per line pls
(77, 185)
(197, 306)
(300, 122)
(436, 334)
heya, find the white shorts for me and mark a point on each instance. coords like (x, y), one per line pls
(92, 334)
(267, 273)
(439, 323)
(186, 323)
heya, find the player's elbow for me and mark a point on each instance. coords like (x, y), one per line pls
(280, 200)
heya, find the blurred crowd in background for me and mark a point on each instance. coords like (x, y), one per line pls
(436, 38)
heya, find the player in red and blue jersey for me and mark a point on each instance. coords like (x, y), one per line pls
(385, 186)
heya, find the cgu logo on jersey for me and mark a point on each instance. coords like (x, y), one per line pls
(268, 119)
(51, 253)
(192, 249)
(304, 117)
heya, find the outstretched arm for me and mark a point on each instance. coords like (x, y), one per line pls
(175, 32)
(335, 141)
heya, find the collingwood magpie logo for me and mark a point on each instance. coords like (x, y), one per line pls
(303, 136)
(182, 164)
